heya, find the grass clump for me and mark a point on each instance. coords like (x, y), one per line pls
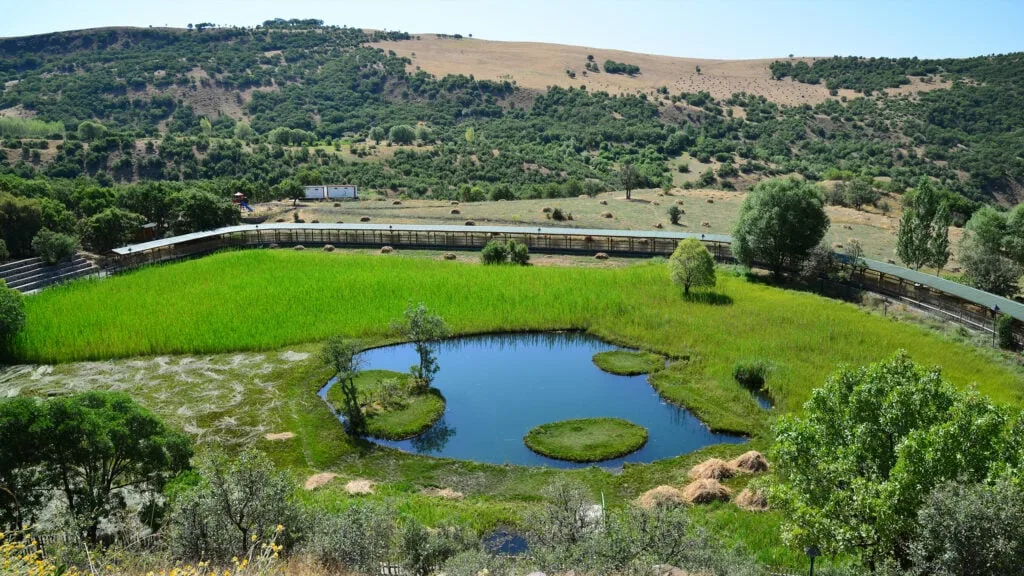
(393, 408)
(586, 439)
(752, 374)
(629, 362)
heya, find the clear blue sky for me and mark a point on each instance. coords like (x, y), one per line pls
(737, 29)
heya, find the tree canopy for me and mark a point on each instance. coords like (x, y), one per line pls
(691, 265)
(780, 221)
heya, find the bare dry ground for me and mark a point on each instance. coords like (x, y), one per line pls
(535, 65)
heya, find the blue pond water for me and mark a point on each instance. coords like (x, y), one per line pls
(498, 387)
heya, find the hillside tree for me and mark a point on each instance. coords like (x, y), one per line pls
(923, 236)
(629, 177)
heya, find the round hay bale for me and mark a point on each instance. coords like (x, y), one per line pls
(661, 497)
(679, 202)
(606, 214)
(890, 261)
(601, 256)
(328, 247)
(655, 203)
(454, 203)
(337, 204)
(847, 227)
(659, 225)
(546, 210)
(470, 223)
(279, 220)
(705, 491)
(364, 219)
(838, 245)
(386, 249)
(274, 246)
(711, 200)
(449, 256)
(340, 222)
(714, 469)
(456, 211)
(360, 487)
(604, 202)
(396, 203)
(299, 248)
(705, 224)
(750, 462)
(751, 500)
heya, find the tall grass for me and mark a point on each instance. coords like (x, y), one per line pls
(258, 300)
(29, 128)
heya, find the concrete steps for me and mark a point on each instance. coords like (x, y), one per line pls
(31, 274)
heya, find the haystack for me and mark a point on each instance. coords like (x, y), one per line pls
(601, 256)
(359, 487)
(449, 256)
(706, 490)
(662, 496)
(606, 214)
(386, 249)
(276, 436)
(751, 500)
(712, 469)
(364, 218)
(443, 493)
(317, 480)
(750, 462)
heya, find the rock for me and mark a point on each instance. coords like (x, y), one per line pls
(274, 246)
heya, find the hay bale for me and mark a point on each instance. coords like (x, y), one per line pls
(340, 222)
(317, 480)
(606, 214)
(277, 436)
(470, 223)
(713, 468)
(456, 211)
(847, 227)
(750, 462)
(443, 493)
(449, 256)
(661, 497)
(711, 200)
(679, 202)
(546, 210)
(655, 203)
(453, 203)
(751, 500)
(299, 248)
(601, 256)
(364, 219)
(659, 225)
(314, 221)
(838, 246)
(396, 203)
(604, 202)
(706, 490)
(328, 247)
(279, 220)
(705, 224)
(386, 249)
(583, 196)
(360, 487)
(890, 261)
(337, 204)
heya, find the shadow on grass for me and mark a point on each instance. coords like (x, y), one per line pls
(823, 286)
(709, 298)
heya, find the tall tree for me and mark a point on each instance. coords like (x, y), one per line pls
(629, 176)
(780, 221)
(923, 237)
(22, 484)
(424, 329)
(691, 265)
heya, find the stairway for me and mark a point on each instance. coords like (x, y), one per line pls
(31, 274)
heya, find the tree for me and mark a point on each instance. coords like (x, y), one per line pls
(629, 176)
(923, 236)
(244, 132)
(854, 470)
(780, 222)
(151, 200)
(5, 254)
(98, 445)
(22, 484)
(971, 530)
(196, 210)
(342, 355)
(90, 130)
(20, 221)
(674, 213)
(377, 134)
(423, 328)
(293, 191)
(691, 265)
(53, 247)
(109, 229)
(401, 134)
(423, 134)
(986, 269)
(12, 312)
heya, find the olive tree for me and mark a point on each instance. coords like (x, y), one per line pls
(402, 134)
(854, 470)
(691, 265)
(780, 221)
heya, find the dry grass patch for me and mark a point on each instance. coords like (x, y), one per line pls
(360, 487)
(706, 491)
(713, 469)
(751, 500)
(317, 480)
(662, 496)
(443, 493)
(278, 436)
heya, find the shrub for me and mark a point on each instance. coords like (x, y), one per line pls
(5, 255)
(53, 247)
(1004, 332)
(12, 311)
(357, 539)
(558, 215)
(518, 253)
(751, 374)
(674, 213)
(423, 551)
(495, 252)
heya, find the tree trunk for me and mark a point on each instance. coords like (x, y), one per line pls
(628, 194)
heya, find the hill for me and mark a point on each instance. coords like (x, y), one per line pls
(129, 117)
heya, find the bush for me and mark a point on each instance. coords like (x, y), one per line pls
(356, 540)
(5, 255)
(518, 253)
(558, 215)
(752, 374)
(674, 213)
(423, 551)
(1004, 332)
(53, 247)
(12, 311)
(495, 252)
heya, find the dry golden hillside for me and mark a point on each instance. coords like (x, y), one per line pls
(536, 66)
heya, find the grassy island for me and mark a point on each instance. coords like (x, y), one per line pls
(586, 439)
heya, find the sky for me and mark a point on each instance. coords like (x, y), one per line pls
(709, 29)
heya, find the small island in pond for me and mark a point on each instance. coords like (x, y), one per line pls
(586, 439)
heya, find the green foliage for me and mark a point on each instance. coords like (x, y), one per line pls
(358, 538)
(20, 221)
(1004, 332)
(238, 504)
(853, 194)
(12, 312)
(402, 134)
(89, 131)
(91, 447)
(752, 374)
(341, 354)
(423, 551)
(196, 210)
(495, 252)
(377, 134)
(971, 529)
(586, 439)
(692, 266)
(923, 236)
(109, 229)
(518, 253)
(5, 254)
(25, 487)
(613, 67)
(629, 362)
(53, 247)
(424, 329)
(674, 214)
(29, 128)
(856, 468)
(629, 177)
(780, 222)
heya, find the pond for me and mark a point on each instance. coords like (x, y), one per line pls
(498, 387)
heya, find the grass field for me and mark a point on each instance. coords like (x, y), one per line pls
(250, 322)
(586, 439)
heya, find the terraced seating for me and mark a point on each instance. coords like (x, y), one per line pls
(32, 274)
